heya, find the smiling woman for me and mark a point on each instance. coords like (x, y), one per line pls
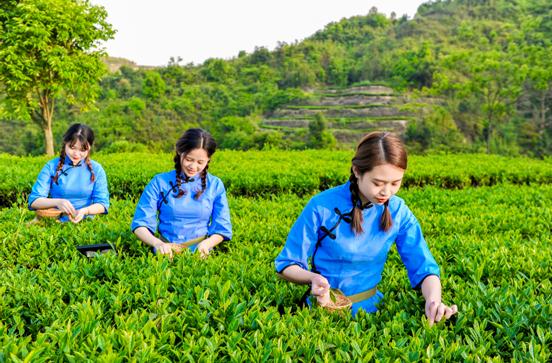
(65, 187)
(188, 205)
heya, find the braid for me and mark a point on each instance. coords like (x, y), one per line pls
(89, 164)
(60, 165)
(178, 168)
(203, 182)
(356, 223)
(386, 221)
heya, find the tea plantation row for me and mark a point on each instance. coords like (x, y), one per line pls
(256, 173)
(494, 246)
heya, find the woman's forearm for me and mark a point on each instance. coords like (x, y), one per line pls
(297, 274)
(431, 288)
(213, 240)
(43, 203)
(95, 208)
(320, 287)
(147, 237)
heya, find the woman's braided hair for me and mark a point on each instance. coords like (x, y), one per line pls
(376, 148)
(192, 139)
(77, 132)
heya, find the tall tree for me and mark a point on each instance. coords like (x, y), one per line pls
(50, 48)
(495, 79)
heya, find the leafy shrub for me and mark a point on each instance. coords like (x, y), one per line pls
(58, 305)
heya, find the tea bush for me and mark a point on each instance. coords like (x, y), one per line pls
(493, 244)
(265, 173)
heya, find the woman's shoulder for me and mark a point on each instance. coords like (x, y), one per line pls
(340, 191)
(398, 207)
(396, 202)
(51, 165)
(96, 165)
(214, 180)
(165, 177)
(338, 196)
(162, 180)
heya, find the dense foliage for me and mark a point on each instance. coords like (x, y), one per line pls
(264, 173)
(48, 49)
(477, 75)
(493, 245)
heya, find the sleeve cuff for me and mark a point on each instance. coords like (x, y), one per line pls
(31, 201)
(225, 236)
(281, 269)
(135, 227)
(106, 207)
(418, 286)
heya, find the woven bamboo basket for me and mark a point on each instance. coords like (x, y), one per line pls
(48, 213)
(337, 302)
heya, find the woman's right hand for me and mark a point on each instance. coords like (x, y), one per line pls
(66, 207)
(320, 287)
(164, 248)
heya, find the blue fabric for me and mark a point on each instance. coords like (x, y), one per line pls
(354, 263)
(73, 184)
(185, 218)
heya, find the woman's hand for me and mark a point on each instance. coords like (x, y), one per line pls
(81, 213)
(66, 207)
(204, 247)
(320, 287)
(435, 310)
(164, 248)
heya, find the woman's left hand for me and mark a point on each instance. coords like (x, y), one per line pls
(80, 215)
(204, 247)
(436, 310)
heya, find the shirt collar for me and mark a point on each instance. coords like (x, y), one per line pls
(191, 180)
(363, 207)
(68, 162)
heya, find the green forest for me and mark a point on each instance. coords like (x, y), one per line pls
(464, 76)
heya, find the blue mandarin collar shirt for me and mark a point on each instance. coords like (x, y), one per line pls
(354, 263)
(73, 184)
(185, 218)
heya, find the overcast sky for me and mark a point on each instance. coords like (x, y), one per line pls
(150, 32)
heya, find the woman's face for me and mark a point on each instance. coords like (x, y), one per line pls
(76, 152)
(194, 162)
(380, 183)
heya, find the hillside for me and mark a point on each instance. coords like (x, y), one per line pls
(486, 63)
(350, 113)
(114, 64)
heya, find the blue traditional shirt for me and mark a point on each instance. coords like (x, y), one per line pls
(73, 184)
(185, 218)
(354, 263)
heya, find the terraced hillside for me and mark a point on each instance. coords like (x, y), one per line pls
(350, 113)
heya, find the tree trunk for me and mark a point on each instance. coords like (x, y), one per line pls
(489, 131)
(43, 118)
(48, 138)
(542, 128)
(489, 139)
